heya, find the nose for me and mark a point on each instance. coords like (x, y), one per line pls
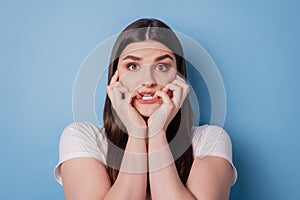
(148, 79)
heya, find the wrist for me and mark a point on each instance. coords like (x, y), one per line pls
(154, 132)
(158, 141)
(137, 133)
(136, 141)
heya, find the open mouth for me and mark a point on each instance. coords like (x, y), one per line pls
(146, 97)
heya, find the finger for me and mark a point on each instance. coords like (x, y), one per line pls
(119, 93)
(165, 89)
(180, 78)
(111, 95)
(109, 92)
(185, 87)
(116, 84)
(129, 96)
(177, 93)
(114, 78)
(164, 96)
(123, 89)
(117, 97)
(119, 86)
(181, 83)
(113, 86)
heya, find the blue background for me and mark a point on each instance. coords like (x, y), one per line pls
(255, 45)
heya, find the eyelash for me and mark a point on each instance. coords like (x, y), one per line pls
(165, 67)
(131, 64)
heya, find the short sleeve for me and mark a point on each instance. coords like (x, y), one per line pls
(211, 140)
(81, 139)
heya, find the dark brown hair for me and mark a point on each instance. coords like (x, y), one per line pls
(138, 31)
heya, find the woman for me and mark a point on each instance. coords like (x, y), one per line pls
(147, 147)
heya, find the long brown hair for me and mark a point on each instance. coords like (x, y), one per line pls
(138, 31)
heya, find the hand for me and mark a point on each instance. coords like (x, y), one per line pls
(160, 119)
(121, 99)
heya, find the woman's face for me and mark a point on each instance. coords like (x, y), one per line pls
(144, 68)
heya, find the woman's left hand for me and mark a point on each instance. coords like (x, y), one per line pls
(160, 119)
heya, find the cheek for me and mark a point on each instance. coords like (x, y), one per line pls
(165, 78)
(129, 80)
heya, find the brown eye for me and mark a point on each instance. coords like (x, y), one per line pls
(162, 67)
(133, 67)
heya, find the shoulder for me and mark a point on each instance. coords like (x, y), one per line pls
(84, 131)
(81, 139)
(211, 140)
(206, 137)
(83, 127)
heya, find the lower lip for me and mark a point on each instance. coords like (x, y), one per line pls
(154, 100)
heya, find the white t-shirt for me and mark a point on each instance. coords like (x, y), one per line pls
(83, 139)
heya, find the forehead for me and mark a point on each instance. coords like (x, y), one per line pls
(147, 48)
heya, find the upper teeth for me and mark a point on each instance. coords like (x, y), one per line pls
(147, 97)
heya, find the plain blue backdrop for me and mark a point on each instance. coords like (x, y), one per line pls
(255, 45)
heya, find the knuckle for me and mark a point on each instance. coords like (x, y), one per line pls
(187, 87)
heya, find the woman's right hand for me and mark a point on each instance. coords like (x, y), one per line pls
(121, 98)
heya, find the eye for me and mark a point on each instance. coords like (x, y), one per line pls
(162, 67)
(132, 67)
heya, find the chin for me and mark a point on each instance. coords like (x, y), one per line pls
(147, 110)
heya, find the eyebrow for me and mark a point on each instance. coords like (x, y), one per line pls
(163, 57)
(132, 58)
(136, 58)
